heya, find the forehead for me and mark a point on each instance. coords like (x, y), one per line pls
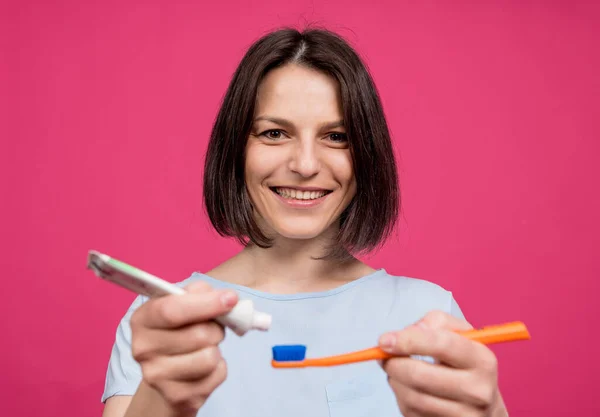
(294, 91)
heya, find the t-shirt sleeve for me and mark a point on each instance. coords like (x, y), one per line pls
(455, 309)
(124, 374)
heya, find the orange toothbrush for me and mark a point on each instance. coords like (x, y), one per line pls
(293, 356)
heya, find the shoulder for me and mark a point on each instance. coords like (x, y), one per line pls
(415, 295)
(197, 276)
(402, 284)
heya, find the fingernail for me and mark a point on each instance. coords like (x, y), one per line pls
(228, 299)
(387, 342)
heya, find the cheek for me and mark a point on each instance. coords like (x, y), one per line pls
(262, 163)
(341, 165)
(256, 165)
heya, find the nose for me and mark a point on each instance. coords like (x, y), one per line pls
(305, 160)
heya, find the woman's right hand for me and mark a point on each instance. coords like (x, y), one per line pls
(175, 340)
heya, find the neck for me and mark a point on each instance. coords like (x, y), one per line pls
(290, 266)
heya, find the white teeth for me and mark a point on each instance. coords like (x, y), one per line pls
(299, 195)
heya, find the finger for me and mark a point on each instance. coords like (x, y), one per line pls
(441, 381)
(191, 395)
(188, 367)
(441, 320)
(179, 341)
(447, 346)
(418, 404)
(174, 311)
(216, 378)
(437, 319)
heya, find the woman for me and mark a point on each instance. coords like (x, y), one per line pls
(300, 169)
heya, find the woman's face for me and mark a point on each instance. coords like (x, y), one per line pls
(298, 167)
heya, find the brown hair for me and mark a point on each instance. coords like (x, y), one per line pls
(372, 214)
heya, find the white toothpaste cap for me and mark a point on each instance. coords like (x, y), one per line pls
(261, 321)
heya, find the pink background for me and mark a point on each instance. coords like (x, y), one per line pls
(107, 108)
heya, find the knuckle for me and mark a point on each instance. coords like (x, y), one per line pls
(442, 342)
(215, 333)
(191, 403)
(489, 362)
(480, 392)
(139, 350)
(212, 357)
(219, 333)
(436, 319)
(152, 374)
(178, 397)
(169, 313)
(136, 319)
(216, 378)
(220, 373)
(200, 335)
(483, 395)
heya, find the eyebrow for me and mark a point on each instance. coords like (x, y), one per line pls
(287, 123)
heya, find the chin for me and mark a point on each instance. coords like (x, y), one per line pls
(297, 231)
(300, 235)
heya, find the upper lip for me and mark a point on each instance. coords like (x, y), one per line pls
(301, 188)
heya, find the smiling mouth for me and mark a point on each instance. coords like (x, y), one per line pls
(295, 194)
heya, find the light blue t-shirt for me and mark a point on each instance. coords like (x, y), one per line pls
(347, 318)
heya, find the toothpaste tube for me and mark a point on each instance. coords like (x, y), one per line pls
(242, 318)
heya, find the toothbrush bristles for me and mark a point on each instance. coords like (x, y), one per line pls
(289, 353)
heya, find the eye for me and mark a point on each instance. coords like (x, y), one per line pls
(272, 134)
(338, 137)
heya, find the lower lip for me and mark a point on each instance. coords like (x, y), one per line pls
(295, 203)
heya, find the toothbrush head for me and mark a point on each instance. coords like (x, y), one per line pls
(289, 353)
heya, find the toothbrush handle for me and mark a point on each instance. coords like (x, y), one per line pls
(374, 353)
(508, 332)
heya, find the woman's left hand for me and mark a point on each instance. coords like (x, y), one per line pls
(462, 383)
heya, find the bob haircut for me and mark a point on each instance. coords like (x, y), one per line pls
(372, 214)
